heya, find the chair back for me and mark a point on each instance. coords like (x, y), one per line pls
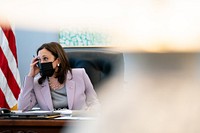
(100, 64)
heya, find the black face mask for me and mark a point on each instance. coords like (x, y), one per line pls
(46, 69)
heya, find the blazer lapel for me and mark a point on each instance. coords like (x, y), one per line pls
(45, 92)
(70, 89)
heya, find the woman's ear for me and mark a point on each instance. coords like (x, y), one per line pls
(58, 61)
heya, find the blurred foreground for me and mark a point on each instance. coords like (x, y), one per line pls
(160, 95)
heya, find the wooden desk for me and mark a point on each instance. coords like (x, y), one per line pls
(44, 125)
(35, 126)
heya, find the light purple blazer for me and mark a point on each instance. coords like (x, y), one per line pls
(80, 93)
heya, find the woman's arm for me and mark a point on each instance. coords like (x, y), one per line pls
(27, 100)
(91, 96)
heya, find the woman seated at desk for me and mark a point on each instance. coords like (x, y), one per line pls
(58, 86)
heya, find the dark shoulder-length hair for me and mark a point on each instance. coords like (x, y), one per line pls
(58, 52)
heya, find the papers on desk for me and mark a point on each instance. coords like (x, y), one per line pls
(37, 112)
(41, 114)
(79, 115)
(62, 114)
(64, 111)
(74, 118)
(34, 114)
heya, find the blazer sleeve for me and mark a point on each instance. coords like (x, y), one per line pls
(91, 96)
(27, 99)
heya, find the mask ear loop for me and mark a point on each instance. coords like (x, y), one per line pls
(55, 60)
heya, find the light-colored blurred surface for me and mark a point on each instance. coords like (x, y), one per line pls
(145, 25)
(160, 95)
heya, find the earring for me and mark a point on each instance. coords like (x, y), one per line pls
(58, 65)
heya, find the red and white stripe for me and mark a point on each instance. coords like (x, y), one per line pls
(9, 74)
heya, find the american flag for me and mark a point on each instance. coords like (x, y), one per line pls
(9, 74)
